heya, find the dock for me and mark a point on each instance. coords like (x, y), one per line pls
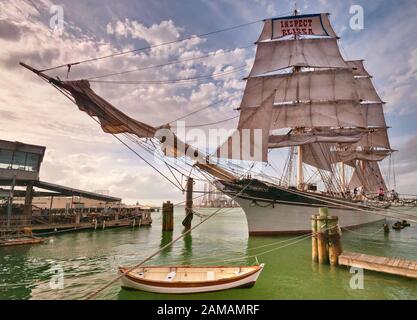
(396, 266)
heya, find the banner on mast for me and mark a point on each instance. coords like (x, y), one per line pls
(309, 24)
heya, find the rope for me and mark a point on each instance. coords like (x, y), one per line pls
(150, 47)
(170, 81)
(249, 249)
(211, 123)
(267, 251)
(363, 234)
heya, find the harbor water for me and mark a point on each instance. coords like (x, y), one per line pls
(87, 260)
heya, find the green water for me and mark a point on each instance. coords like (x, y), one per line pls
(89, 260)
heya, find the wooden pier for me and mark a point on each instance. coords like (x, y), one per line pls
(396, 266)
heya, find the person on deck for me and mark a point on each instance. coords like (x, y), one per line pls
(394, 196)
(381, 194)
(355, 193)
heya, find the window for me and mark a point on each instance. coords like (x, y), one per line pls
(6, 157)
(32, 162)
(19, 160)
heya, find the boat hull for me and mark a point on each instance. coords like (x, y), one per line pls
(244, 281)
(272, 211)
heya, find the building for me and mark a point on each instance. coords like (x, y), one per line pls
(21, 188)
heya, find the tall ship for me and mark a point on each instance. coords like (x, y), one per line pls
(302, 95)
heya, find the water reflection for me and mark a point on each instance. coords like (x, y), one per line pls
(187, 250)
(166, 237)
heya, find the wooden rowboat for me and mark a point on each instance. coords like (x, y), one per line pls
(21, 241)
(189, 279)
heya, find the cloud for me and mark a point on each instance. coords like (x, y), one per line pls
(79, 154)
(163, 32)
(9, 31)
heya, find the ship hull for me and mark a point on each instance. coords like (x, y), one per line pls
(273, 211)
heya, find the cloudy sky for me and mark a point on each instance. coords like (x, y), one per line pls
(80, 155)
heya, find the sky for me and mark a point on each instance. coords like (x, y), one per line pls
(80, 155)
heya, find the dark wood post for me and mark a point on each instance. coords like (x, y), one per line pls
(335, 245)
(323, 256)
(314, 252)
(27, 209)
(167, 216)
(188, 204)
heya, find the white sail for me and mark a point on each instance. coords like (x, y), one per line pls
(276, 55)
(317, 114)
(358, 68)
(375, 138)
(366, 90)
(254, 125)
(318, 155)
(324, 85)
(374, 114)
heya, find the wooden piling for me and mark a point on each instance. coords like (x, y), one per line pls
(334, 243)
(188, 204)
(167, 216)
(322, 234)
(314, 253)
(77, 218)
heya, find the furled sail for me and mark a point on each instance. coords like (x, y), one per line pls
(310, 25)
(291, 140)
(368, 155)
(317, 53)
(111, 119)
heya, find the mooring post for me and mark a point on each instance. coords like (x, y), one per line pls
(167, 216)
(323, 256)
(104, 224)
(10, 202)
(77, 218)
(117, 213)
(188, 204)
(314, 252)
(335, 245)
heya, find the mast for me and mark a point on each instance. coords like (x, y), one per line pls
(342, 176)
(300, 173)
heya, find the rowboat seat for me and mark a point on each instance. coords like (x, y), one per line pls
(170, 276)
(210, 275)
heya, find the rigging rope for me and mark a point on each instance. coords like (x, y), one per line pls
(170, 81)
(150, 47)
(211, 54)
(211, 123)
